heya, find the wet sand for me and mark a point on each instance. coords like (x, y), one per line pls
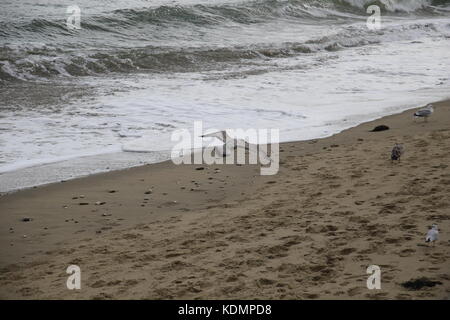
(163, 231)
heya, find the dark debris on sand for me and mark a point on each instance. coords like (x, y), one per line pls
(380, 128)
(420, 283)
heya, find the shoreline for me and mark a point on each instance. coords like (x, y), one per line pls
(111, 162)
(246, 217)
(134, 160)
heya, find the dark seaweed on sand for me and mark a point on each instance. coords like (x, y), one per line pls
(419, 283)
(380, 128)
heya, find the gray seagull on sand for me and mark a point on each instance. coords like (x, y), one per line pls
(432, 234)
(230, 144)
(397, 152)
(425, 112)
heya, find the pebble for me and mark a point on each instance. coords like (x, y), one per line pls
(26, 219)
(84, 203)
(100, 203)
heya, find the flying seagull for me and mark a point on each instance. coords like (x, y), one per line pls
(424, 113)
(230, 144)
(432, 234)
(397, 152)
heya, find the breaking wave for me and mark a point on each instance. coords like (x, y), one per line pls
(58, 52)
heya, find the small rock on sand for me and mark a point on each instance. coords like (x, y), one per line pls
(380, 128)
(26, 219)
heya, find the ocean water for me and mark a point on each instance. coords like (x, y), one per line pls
(76, 102)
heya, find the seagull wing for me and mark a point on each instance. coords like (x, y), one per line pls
(423, 113)
(219, 135)
(432, 235)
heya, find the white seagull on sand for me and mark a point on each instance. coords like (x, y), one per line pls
(432, 234)
(230, 144)
(425, 112)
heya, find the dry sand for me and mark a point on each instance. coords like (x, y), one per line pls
(337, 206)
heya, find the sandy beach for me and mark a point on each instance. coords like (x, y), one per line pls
(337, 206)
